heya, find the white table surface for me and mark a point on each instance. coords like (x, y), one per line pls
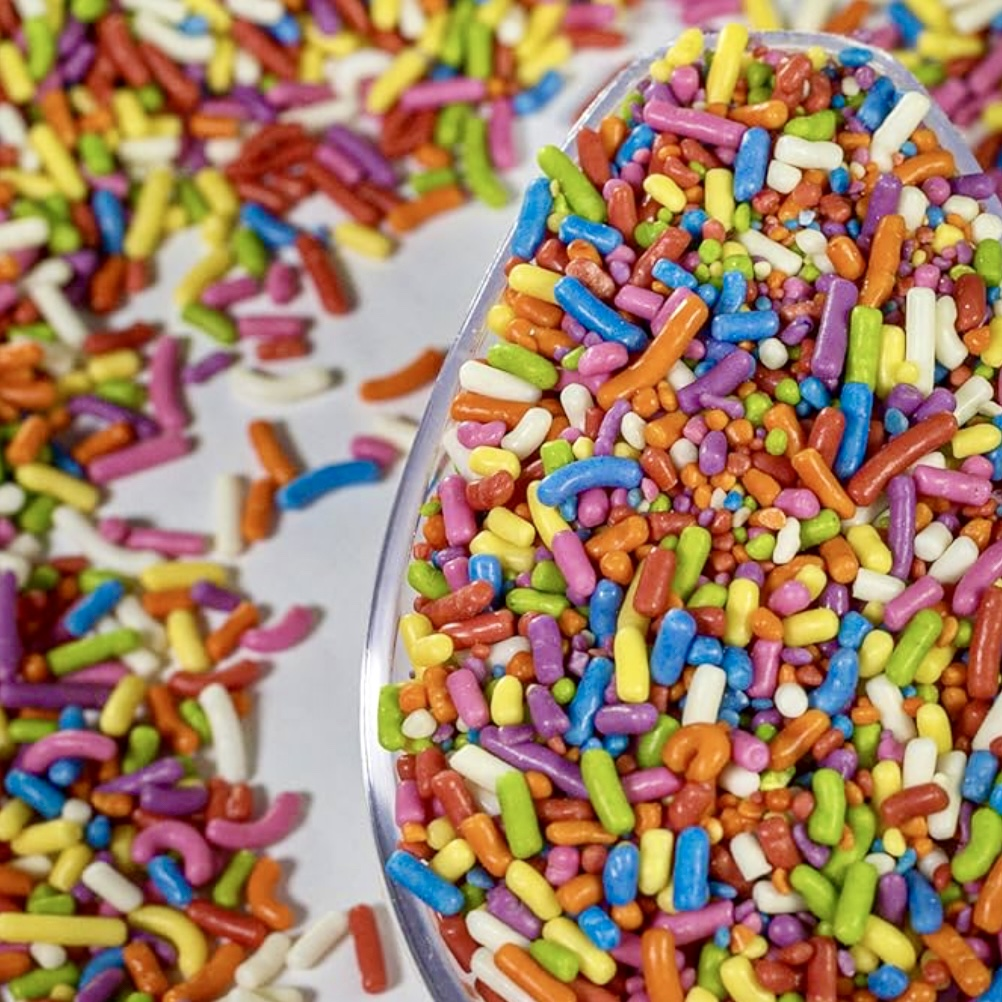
(306, 730)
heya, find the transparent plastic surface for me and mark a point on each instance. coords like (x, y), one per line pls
(427, 463)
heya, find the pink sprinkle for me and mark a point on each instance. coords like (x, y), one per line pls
(67, 744)
(500, 135)
(181, 838)
(471, 433)
(103, 673)
(136, 458)
(281, 283)
(7, 530)
(590, 16)
(115, 530)
(164, 388)
(219, 295)
(379, 450)
(438, 93)
(287, 632)
(338, 163)
(168, 542)
(262, 325)
(272, 827)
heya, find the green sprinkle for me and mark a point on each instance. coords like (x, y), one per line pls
(546, 577)
(228, 889)
(429, 180)
(775, 442)
(124, 392)
(251, 254)
(26, 732)
(584, 199)
(191, 712)
(788, 392)
(427, 580)
(563, 690)
(212, 322)
(523, 600)
(526, 365)
(761, 547)
(144, 743)
(556, 454)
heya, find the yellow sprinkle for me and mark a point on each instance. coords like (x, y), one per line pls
(945, 47)
(547, 520)
(364, 240)
(894, 842)
(544, 19)
(992, 355)
(433, 650)
(486, 460)
(932, 722)
(812, 627)
(874, 653)
(215, 13)
(433, 37)
(739, 979)
(339, 45)
(866, 960)
(71, 862)
(213, 186)
(931, 13)
(406, 69)
(946, 235)
(14, 815)
(533, 890)
(889, 943)
(507, 706)
(719, 195)
(583, 447)
(119, 711)
(311, 64)
(209, 269)
(130, 115)
(46, 837)
(633, 673)
(547, 57)
(186, 642)
(596, 965)
(656, 846)
(510, 527)
(492, 12)
(991, 117)
(57, 161)
(122, 364)
(384, 14)
(726, 68)
(73, 384)
(219, 72)
(15, 79)
(121, 845)
(813, 579)
(48, 480)
(30, 185)
(175, 926)
(146, 226)
(976, 441)
(519, 559)
(665, 191)
(686, 50)
(762, 15)
(68, 930)
(6, 745)
(453, 861)
(907, 372)
(440, 833)
(742, 601)
(886, 780)
(870, 549)
(934, 664)
(177, 574)
(534, 281)
(499, 316)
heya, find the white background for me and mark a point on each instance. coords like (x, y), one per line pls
(306, 731)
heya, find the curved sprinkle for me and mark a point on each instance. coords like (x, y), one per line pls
(270, 828)
(181, 838)
(67, 744)
(175, 926)
(290, 630)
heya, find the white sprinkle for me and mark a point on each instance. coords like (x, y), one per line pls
(772, 353)
(770, 901)
(479, 766)
(682, 453)
(706, 690)
(920, 334)
(96, 548)
(530, 432)
(227, 733)
(807, 154)
(791, 700)
(253, 386)
(889, 703)
(632, 430)
(23, 234)
(48, 956)
(108, 884)
(150, 151)
(987, 226)
(576, 401)
(896, 129)
(317, 941)
(950, 350)
(962, 205)
(871, 586)
(783, 177)
(176, 44)
(738, 780)
(227, 505)
(483, 967)
(749, 857)
(12, 498)
(321, 115)
(265, 963)
(266, 12)
(491, 932)
(476, 377)
(77, 811)
(59, 314)
(781, 258)
(943, 824)
(912, 206)
(246, 70)
(958, 559)
(971, 395)
(787, 542)
(919, 765)
(418, 724)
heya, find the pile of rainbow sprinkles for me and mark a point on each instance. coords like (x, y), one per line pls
(703, 698)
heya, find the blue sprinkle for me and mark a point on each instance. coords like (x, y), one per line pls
(855, 57)
(529, 101)
(170, 881)
(286, 30)
(100, 962)
(98, 832)
(599, 928)
(530, 228)
(314, 484)
(40, 795)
